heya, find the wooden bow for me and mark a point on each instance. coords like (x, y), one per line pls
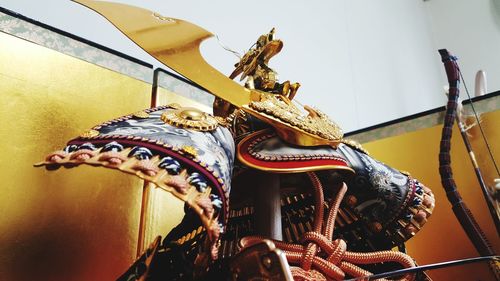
(459, 207)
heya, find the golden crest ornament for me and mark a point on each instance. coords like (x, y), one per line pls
(89, 133)
(190, 118)
(141, 114)
(316, 127)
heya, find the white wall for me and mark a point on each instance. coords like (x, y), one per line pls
(469, 29)
(362, 62)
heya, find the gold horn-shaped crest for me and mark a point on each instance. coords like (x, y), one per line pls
(176, 43)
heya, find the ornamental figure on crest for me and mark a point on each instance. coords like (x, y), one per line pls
(254, 67)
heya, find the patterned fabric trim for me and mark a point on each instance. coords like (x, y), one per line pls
(177, 160)
(265, 151)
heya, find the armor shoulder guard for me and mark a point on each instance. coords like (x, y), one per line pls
(393, 206)
(180, 150)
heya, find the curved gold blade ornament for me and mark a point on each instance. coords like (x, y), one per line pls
(176, 43)
(173, 42)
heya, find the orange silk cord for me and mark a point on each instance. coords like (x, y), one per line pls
(317, 252)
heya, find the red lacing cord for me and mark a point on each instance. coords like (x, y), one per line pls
(317, 250)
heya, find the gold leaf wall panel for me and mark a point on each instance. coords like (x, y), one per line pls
(71, 224)
(165, 97)
(442, 238)
(82, 223)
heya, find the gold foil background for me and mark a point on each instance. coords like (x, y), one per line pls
(442, 238)
(166, 97)
(71, 224)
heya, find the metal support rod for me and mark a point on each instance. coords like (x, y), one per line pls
(154, 88)
(143, 219)
(267, 202)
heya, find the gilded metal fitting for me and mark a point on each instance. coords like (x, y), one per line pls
(141, 114)
(283, 114)
(190, 118)
(90, 133)
(355, 145)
